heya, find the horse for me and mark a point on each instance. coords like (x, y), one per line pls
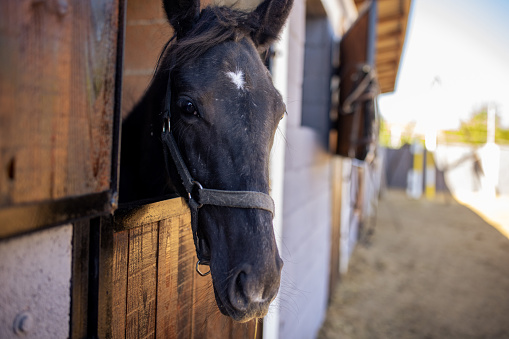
(204, 130)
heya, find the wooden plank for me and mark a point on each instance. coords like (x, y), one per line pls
(356, 48)
(243, 330)
(92, 96)
(22, 218)
(142, 281)
(389, 26)
(56, 98)
(386, 56)
(131, 216)
(385, 44)
(208, 321)
(119, 282)
(386, 67)
(185, 283)
(33, 62)
(204, 306)
(166, 326)
(113, 258)
(219, 326)
(79, 292)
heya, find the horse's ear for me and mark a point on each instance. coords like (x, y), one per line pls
(271, 16)
(182, 14)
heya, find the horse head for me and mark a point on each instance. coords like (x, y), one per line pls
(224, 115)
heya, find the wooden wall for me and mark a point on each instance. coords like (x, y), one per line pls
(57, 82)
(58, 131)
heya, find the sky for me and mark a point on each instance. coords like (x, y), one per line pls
(455, 60)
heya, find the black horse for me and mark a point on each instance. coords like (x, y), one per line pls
(214, 98)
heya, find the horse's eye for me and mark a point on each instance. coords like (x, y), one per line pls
(187, 107)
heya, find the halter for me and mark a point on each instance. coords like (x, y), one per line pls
(197, 196)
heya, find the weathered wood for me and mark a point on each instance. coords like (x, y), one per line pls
(131, 216)
(204, 305)
(79, 286)
(166, 326)
(56, 98)
(245, 330)
(119, 283)
(142, 281)
(185, 284)
(22, 218)
(219, 327)
(357, 48)
(111, 322)
(154, 288)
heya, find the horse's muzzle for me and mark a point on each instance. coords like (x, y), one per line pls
(249, 292)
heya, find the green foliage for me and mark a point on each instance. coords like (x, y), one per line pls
(474, 131)
(384, 136)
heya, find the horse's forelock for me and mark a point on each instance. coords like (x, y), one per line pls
(216, 25)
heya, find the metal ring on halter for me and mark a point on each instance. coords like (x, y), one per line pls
(200, 187)
(198, 269)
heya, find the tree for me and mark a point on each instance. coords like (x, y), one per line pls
(474, 130)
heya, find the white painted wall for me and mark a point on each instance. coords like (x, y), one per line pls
(35, 276)
(306, 200)
(306, 206)
(277, 171)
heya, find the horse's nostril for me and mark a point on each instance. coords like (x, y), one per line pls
(240, 282)
(246, 289)
(238, 296)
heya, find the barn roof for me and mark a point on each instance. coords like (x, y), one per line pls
(391, 32)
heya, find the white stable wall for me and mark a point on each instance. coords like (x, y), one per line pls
(35, 289)
(306, 213)
(306, 237)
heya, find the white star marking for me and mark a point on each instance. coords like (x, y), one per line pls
(237, 78)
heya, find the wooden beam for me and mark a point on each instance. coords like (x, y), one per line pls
(394, 43)
(391, 18)
(396, 34)
(386, 73)
(389, 49)
(389, 66)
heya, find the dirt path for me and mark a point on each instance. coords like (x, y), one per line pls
(432, 270)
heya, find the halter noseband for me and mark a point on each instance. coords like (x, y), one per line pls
(197, 196)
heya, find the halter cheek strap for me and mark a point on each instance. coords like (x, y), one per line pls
(197, 196)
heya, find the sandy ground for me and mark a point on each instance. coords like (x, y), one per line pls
(431, 270)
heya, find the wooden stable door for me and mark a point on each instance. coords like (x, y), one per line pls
(60, 80)
(149, 287)
(356, 124)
